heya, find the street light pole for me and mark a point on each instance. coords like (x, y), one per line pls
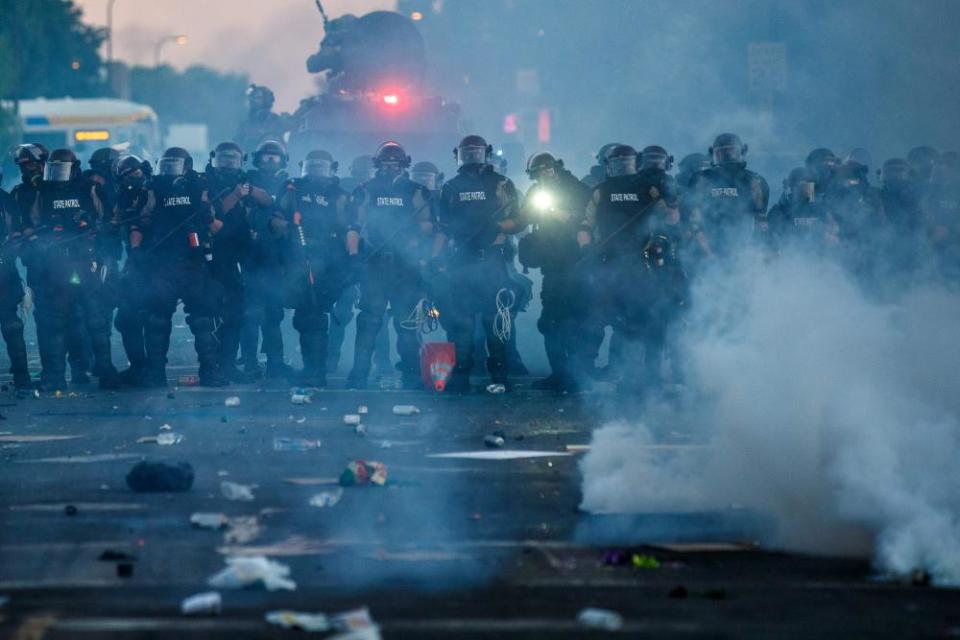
(180, 39)
(110, 4)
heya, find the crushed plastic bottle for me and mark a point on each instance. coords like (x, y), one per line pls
(236, 491)
(600, 619)
(232, 401)
(202, 604)
(167, 438)
(405, 410)
(294, 444)
(496, 388)
(327, 498)
(209, 520)
(494, 441)
(300, 397)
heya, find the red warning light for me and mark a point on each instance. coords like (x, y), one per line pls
(391, 99)
(510, 123)
(543, 125)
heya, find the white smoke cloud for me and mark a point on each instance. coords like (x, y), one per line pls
(833, 411)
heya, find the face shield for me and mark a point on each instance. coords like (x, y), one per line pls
(472, 155)
(655, 160)
(133, 179)
(544, 175)
(228, 159)
(727, 154)
(30, 169)
(173, 167)
(426, 179)
(269, 162)
(316, 168)
(55, 171)
(621, 166)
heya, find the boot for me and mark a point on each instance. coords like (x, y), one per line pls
(53, 374)
(314, 359)
(17, 352)
(156, 340)
(208, 353)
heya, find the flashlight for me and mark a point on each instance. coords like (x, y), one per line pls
(543, 201)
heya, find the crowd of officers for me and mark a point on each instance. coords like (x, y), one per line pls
(123, 243)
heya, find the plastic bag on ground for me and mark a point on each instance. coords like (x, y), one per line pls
(243, 572)
(236, 491)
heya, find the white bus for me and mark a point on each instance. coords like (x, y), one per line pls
(87, 124)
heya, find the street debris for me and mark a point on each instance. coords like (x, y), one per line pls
(208, 603)
(616, 558)
(300, 396)
(405, 410)
(166, 427)
(360, 472)
(351, 419)
(70, 510)
(496, 389)
(503, 454)
(326, 498)
(299, 620)
(148, 477)
(360, 430)
(243, 572)
(495, 440)
(209, 520)
(311, 481)
(35, 438)
(600, 619)
(168, 438)
(242, 529)
(363, 409)
(294, 444)
(357, 624)
(232, 401)
(641, 561)
(237, 491)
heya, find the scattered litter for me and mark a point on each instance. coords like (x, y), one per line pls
(166, 427)
(99, 457)
(326, 498)
(405, 410)
(148, 417)
(641, 561)
(202, 604)
(310, 481)
(300, 397)
(35, 438)
(298, 620)
(386, 444)
(360, 472)
(236, 491)
(360, 430)
(294, 444)
(147, 477)
(495, 440)
(168, 438)
(351, 419)
(70, 510)
(678, 592)
(223, 473)
(496, 388)
(247, 571)
(242, 529)
(232, 401)
(358, 625)
(503, 454)
(147, 440)
(116, 556)
(301, 420)
(209, 520)
(363, 409)
(578, 448)
(600, 619)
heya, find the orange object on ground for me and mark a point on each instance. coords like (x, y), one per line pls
(437, 360)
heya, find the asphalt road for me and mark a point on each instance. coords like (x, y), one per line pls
(449, 548)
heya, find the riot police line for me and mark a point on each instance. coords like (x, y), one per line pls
(123, 243)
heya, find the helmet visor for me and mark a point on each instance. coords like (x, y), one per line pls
(472, 155)
(316, 168)
(227, 159)
(655, 160)
(621, 165)
(727, 154)
(427, 179)
(172, 166)
(55, 171)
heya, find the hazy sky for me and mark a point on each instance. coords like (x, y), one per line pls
(269, 39)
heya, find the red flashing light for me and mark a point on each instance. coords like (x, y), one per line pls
(391, 99)
(543, 126)
(510, 123)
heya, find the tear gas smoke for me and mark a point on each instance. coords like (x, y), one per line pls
(832, 411)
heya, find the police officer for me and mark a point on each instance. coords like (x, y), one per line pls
(11, 292)
(427, 175)
(233, 198)
(132, 196)
(691, 165)
(477, 211)
(171, 246)
(942, 211)
(621, 217)
(399, 226)
(900, 193)
(30, 159)
(554, 207)
(801, 215)
(598, 172)
(261, 123)
(728, 202)
(923, 162)
(319, 241)
(64, 270)
(822, 163)
(263, 267)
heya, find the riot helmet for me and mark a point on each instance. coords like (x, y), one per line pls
(391, 158)
(473, 149)
(260, 98)
(270, 156)
(896, 174)
(362, 168)
(727, 149)
(656, 157)
(103, 159)
(922, 160)
(800, 185)
(175, 162)
(691, 165)
(621, 161)
(542, 166)
(318, 164)
(62, 166)
(131, 172)
(822, 163)
(30, 158)
(427, 175)
(227, 157)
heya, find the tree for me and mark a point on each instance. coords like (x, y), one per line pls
(48, 51)
(197, 95)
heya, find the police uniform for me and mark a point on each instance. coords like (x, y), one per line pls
(175, 255)
(132, 297)
(11, 294)
(391, 211)
(470, 208)
(315, 263)
(729, 202)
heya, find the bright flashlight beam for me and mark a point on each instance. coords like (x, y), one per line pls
(543, 201)
(391, 99)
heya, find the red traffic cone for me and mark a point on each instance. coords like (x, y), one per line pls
(436, 364)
